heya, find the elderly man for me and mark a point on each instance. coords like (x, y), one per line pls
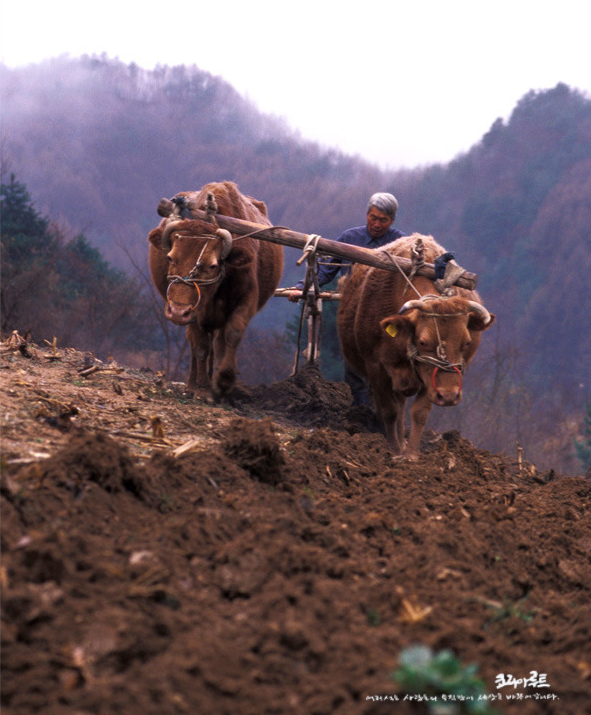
(378, 231)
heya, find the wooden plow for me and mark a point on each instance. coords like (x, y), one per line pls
(312, 245)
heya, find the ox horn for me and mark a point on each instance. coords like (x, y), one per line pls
(479, 310)
(168, 229)
(165, 208)
(410, 304)
(226, 237)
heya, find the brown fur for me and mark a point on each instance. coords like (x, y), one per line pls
(218, 318)
(371, 299)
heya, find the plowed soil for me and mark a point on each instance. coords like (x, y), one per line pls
(163, 554)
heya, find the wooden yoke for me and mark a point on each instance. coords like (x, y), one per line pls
(286, 237)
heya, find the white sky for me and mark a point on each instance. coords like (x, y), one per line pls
(398, 83)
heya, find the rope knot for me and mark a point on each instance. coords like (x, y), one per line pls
(309, 250)
(211, 208)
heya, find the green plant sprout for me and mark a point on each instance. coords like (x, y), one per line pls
(373, 617)
(421, 671)
(508, 609)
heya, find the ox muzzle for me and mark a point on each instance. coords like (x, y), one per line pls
(184, 313)
(450, 394)
(446, 392)
(181, 313)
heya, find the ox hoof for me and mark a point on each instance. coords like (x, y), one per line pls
(203, 394)
(223, 383)
(405, 456)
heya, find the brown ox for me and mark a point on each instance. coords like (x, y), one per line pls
(407, 345)
(213, 283)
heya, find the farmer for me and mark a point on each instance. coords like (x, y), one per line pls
(378, 231)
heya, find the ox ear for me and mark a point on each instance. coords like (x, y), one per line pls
(397, 330)
(476, 322)
(238, 257)
(155, 238)
(398, 327)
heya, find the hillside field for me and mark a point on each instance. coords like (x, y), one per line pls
(163, 554)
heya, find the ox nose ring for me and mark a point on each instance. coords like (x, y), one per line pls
(453, 367)
(187, 282)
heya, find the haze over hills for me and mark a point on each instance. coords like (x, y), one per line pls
(98, 143)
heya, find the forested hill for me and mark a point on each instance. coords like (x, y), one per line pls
(100, 143)
(97, 144)
(517, 210)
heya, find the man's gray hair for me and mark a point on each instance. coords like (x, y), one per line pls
(384, 202)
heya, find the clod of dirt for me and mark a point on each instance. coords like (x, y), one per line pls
(362, 419)
(94, 457)
(306, 397)
(254, 446)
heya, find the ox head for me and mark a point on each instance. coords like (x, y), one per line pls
(196, 253)
(439, 336)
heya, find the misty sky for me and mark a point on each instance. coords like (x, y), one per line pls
(397, 83)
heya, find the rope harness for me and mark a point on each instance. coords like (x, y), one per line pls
(440, 360)
(186, 281)
(417, 255)
(192, 280)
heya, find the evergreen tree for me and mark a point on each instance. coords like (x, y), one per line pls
(27, 255)
(65, 288)
(20, 220)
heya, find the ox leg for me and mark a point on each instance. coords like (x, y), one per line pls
(199, 374)
(390, 408)
(394, 424)
(419, 413)
(226, 369)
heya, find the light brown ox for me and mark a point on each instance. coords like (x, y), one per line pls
(404, 344)
(212, 282)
